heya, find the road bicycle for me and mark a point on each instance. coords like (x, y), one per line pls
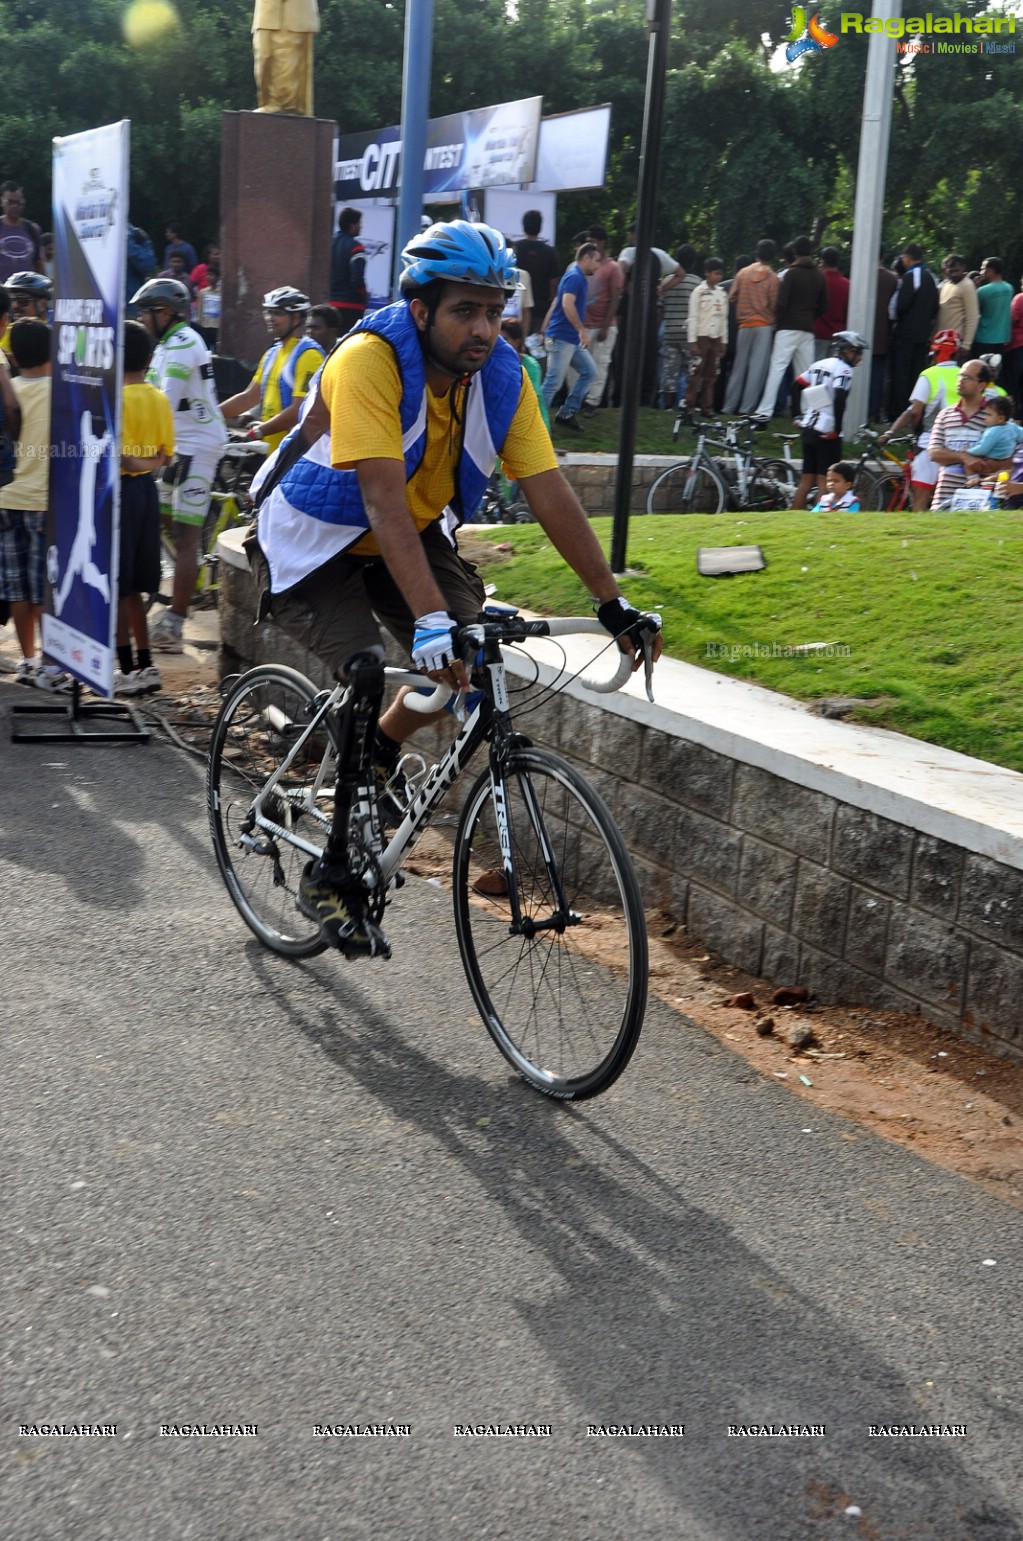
(740, 479)
(883, 481)
(548, 913)
(230, 505)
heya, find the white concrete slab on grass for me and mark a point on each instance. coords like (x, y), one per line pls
(951, 796)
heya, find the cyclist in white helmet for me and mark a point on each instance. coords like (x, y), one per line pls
(182, 367)
(414, 406)
(825, 391)
(274, 395)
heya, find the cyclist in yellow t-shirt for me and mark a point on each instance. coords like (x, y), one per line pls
(281, 382)
(357, 515)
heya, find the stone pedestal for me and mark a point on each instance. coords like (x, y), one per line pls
(276, 200)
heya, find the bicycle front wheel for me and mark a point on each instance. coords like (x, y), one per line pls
(685, 489)
(262, 720)
(556, 951)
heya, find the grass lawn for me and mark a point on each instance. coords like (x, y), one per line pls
(653, 434)
(922, 613)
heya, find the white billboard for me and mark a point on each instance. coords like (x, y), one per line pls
(572, 153)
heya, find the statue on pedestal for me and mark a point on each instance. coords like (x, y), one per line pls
(282, 46)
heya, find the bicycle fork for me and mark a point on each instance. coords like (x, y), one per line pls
(503, 744)
(560, 917)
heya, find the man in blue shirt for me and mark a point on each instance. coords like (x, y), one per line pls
(348, 270)
(570, 339)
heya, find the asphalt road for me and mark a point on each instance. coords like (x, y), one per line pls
(238, 1191)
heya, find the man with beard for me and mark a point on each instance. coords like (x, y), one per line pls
(357, 518)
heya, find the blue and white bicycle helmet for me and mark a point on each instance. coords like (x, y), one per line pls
(459, 253)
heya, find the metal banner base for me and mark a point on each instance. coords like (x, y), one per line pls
(78, 717)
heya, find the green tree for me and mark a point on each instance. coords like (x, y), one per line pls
(751, 146)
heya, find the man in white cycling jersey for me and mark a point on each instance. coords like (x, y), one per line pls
(415, 404)
(182, 368)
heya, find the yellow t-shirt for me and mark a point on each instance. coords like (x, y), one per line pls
(30, 489)
(306, 366)
(362, 388)
(147, 427)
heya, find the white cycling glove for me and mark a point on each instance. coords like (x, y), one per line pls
(434, 644)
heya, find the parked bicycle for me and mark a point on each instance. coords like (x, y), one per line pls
(230, 505)
(548, 914)
(502, 503)
(739, 479)
(883, 481)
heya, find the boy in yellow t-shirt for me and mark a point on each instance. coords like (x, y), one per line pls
(147, 444)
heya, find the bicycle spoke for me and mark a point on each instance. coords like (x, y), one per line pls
(257, 736)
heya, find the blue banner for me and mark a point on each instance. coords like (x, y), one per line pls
(90, 195)
(483, 147)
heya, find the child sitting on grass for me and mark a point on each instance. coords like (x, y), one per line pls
(147, 444)
(839, 480)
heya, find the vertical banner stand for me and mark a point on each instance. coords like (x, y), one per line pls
(90, 196)
(77, 716)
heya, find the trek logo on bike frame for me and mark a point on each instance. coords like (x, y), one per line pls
(503, 827)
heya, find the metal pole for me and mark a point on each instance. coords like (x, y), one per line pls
(415, 107)
(871, 174)
(658, 15)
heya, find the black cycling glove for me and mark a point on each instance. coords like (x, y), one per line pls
(619, 618)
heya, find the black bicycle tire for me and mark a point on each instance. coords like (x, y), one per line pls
(549, 970)
(245, 872)
(670, 494)
(873, 489)
(781, 471)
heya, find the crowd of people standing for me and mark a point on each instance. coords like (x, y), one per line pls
(770, 337)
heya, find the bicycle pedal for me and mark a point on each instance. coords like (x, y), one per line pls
(362, 939)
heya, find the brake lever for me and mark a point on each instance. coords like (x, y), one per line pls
(647, 644)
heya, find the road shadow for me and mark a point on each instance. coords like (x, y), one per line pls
(650, 1291)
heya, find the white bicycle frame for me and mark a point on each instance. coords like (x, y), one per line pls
(444, 773)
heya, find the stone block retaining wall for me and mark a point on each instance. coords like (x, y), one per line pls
(593, 479)
(801, 887)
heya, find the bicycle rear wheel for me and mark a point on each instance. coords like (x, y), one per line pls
(881, 491)
(773, 485)
(564, 992)
(683, 489)
(262, 717)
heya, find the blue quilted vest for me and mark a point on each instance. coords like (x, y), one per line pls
(315, 488)
(286, 382)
